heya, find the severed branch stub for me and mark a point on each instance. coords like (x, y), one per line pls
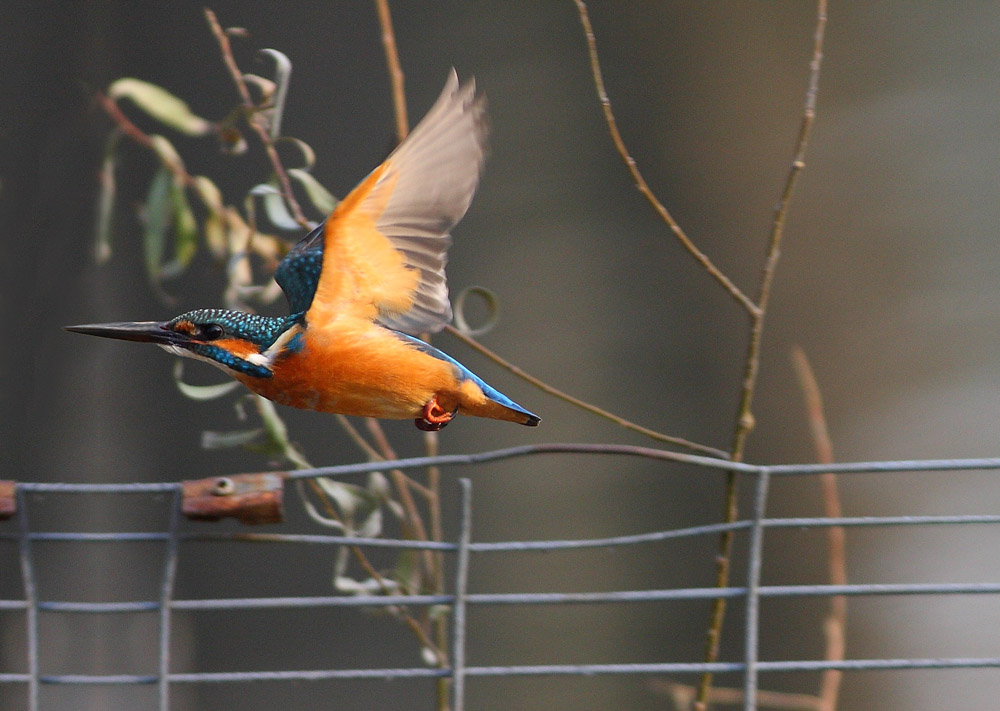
(249, 498)
(8, 499)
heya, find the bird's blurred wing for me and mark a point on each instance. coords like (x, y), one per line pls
(385, 246)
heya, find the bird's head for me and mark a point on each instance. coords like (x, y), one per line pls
(237, 342)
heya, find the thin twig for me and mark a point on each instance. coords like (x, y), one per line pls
(366, 565)
(254, 119)
(545, 387)
(433, 561)
(836, 621)
(640, 181)
(395, 69)
(683, 696)
(744, 415)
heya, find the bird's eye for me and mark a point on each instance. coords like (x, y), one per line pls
(212, 331)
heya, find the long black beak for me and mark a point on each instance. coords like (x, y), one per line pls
(142, 331)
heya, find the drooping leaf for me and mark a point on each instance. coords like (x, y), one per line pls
(167, 153)
(318, 195)
(106, 201)
(156, 219)
(228, 440)
(201, 392)
(161, 105)
(266, 87)
(211, 196)
(214, 228)
(185, 232)
(308, 154)
(274, 206)
(282, 77)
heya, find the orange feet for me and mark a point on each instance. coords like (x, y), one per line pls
(434, 416)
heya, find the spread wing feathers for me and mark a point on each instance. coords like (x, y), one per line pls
(386, 243)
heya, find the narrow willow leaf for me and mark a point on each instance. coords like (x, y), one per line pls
(371, 526)
(214, 228)
(275, 207)
(265, 86)
(308, 154)
(167, 153)
(360, 587)
(106, 201)
(161, 105)
(201, 392)
(348, 497)
(185, 232)
(492, 308)
(211, 196)
(319, 518)
(318, 195)
(156, 219)
(407, 570)
(282, 77)
(228, 440)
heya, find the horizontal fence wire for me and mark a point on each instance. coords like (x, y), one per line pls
(460, 599)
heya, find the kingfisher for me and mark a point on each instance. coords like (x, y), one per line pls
(360, 287)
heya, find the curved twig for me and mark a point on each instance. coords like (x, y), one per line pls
(744, 414)
(545, 387)
(258, 126)
(640, 182)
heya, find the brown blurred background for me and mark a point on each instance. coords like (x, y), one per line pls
(887, 281)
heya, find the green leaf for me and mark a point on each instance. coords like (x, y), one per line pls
(282, 77)
(275, 207)
(106, 201)
(227, 440)
(308, 154)
(185, 233)
(215, 234)
(167, 153)
(161, 105)
(209, 193)
(156, 219)
(265, 86)
(317, 194)
(201, 392)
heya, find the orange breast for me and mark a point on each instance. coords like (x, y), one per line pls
(354, 367)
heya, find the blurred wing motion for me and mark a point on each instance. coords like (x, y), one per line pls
(381, 254)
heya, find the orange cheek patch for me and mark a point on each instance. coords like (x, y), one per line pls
(185, 327)
(240, 349)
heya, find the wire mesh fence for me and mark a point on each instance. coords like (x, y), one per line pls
(465, 552)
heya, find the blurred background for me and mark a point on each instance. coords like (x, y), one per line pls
(886, 280)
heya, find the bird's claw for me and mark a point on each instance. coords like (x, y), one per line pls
(434, 417)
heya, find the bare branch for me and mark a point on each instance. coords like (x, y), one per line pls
(545, 387)
(744, 414)
(640, 182)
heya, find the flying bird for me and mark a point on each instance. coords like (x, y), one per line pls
(360, 287)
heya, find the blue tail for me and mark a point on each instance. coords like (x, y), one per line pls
(466, 374)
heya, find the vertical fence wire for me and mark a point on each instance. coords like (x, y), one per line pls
(30, 598)
(166, 598)
(755, 557)
(458, 610)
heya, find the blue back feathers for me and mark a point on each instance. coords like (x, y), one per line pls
(298, 273)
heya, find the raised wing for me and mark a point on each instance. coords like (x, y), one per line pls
(381, 254)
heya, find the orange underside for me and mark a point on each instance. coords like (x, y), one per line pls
(358, 368)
